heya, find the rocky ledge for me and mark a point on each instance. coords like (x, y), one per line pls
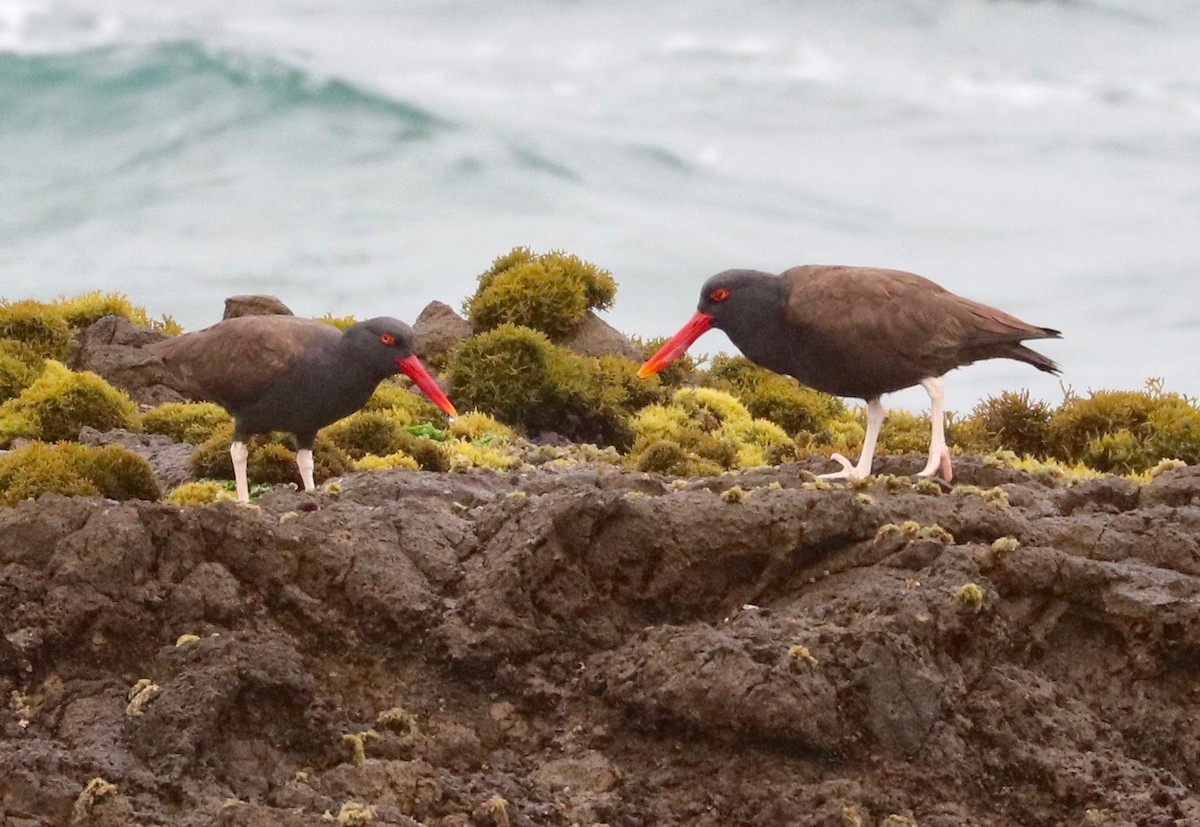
(594, 646)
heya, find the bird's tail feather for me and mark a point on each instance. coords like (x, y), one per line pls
(1032, 357)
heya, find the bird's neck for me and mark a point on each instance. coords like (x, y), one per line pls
(759, 331)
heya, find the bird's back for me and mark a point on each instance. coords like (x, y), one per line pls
(238, 361)
(874, 330)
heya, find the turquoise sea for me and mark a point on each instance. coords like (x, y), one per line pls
(368, 156)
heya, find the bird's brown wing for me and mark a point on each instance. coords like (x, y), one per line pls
(236, 361)
(900, 318)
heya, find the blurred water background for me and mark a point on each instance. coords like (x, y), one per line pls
(368, 156)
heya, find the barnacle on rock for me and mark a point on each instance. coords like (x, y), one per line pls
(95, 789)
(734, 495)
(970, 596)
(1003, 545)
(397, 719)
(139, 695)
(801, 653)
(354, 814)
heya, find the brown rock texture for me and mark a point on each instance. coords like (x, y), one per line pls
(590, 646)
(596, 337)
(436, 332)
(255, 305)
(114, 348)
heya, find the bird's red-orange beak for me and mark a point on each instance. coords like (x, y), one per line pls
(676, 345)
(415, 371)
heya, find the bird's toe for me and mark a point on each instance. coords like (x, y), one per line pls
(848, 472)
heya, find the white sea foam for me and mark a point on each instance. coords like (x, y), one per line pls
(41, 28)
(1031, 155)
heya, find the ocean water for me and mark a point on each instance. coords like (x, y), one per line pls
(369, 156)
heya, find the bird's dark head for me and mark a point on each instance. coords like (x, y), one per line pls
(730, 298)
(386, 345)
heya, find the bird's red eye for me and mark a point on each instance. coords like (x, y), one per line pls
(719, 295)
(387, 338)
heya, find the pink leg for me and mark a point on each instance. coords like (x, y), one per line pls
(939, 453)
(875, 417)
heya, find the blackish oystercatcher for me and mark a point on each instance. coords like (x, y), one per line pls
(859, 332)
(284, 373)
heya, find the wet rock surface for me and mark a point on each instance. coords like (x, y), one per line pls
(591, 646)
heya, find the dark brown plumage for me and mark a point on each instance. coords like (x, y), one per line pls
(859, 332)
(284, 373)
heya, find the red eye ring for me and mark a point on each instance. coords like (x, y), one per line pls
(387, 339)
(719, 295)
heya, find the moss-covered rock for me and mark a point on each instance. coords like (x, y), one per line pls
(69, 468)
(704, 431)
(191, 422)
(905, 432)
(769, 395)
(39, 325)
(512, 373)
(494, 455)
(551, 292)
(88, 308)
(429, 454)
(519, 376)
(474, 425)
(1012, 421)
(680, 372)
(271, 459)
(1126, 431)
(367, 432)
(399, 459)
(20, 365)
(199, 493)
(407, 407)
(667, 457)
(120, 474)
(60, 403)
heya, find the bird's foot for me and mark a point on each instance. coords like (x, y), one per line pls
(849, 470)
(939, 461)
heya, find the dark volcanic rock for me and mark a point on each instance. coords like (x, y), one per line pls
(255, 305)
(590, 646)
(436, 332)
(113, 347)
(596, 337)
(168, 459)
